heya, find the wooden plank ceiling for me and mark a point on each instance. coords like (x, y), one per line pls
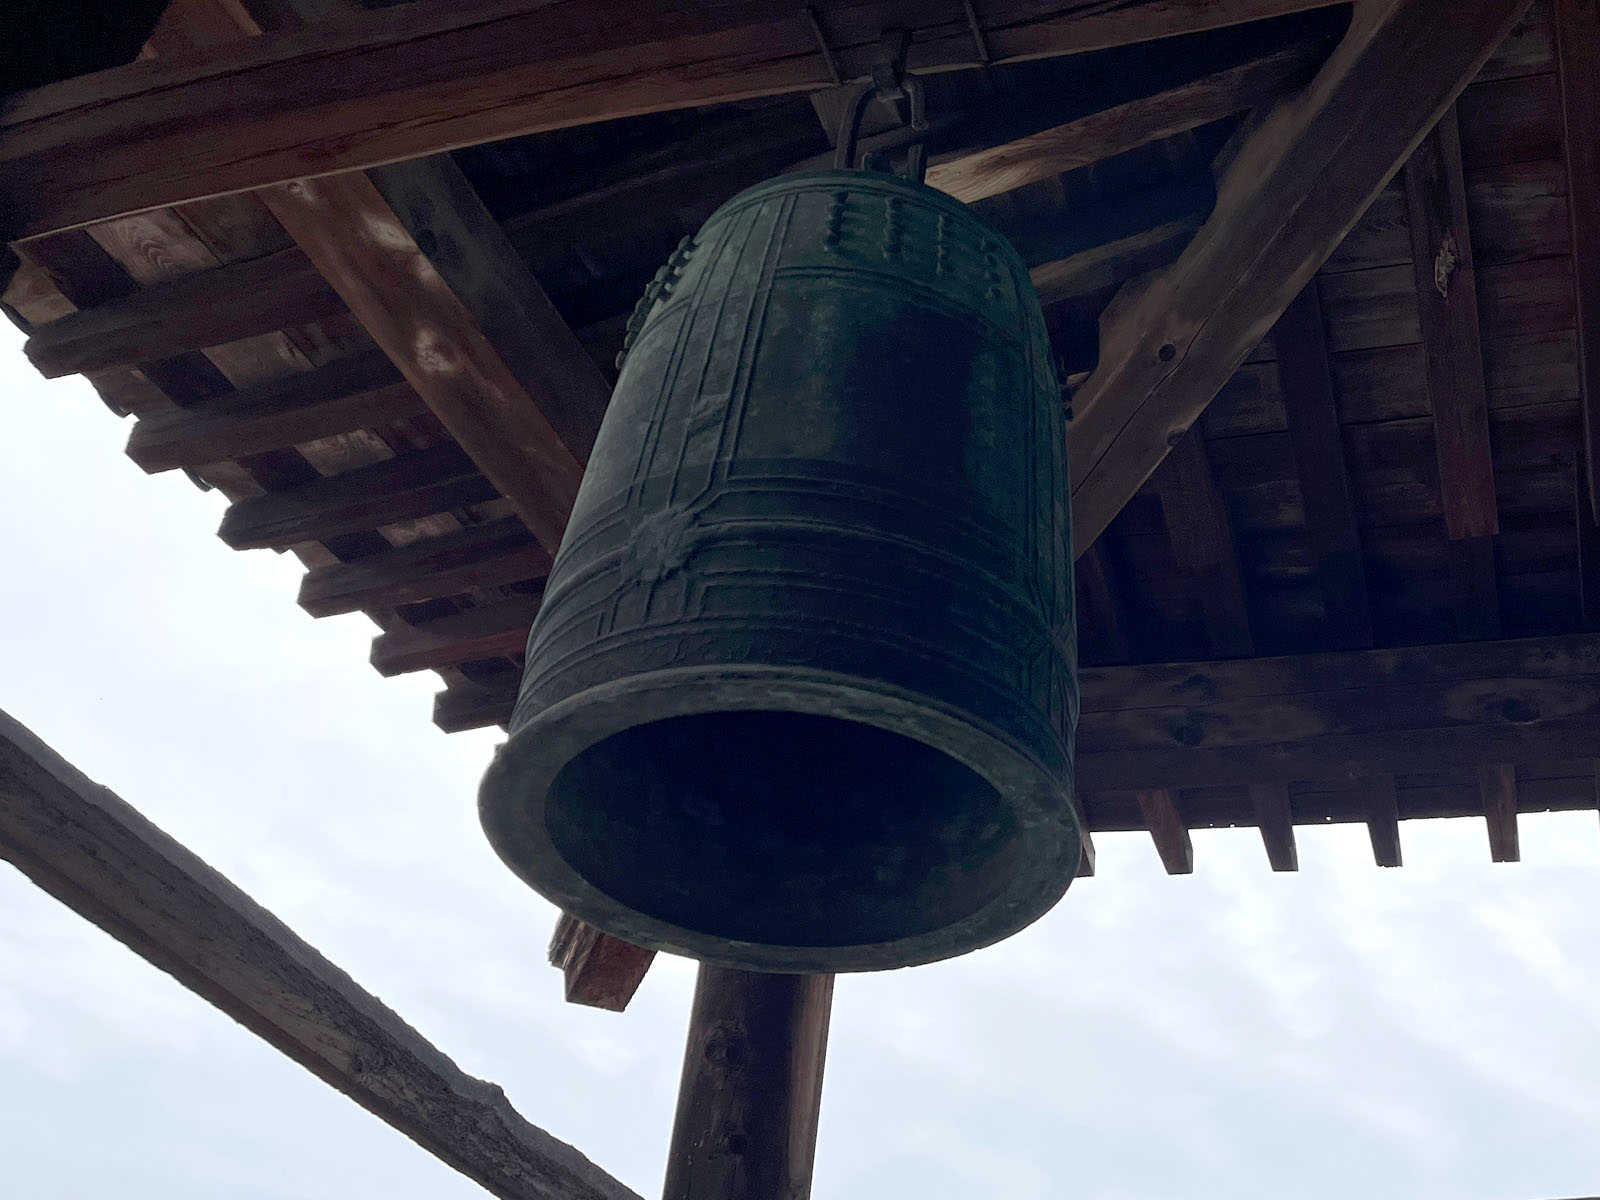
(1373, 235)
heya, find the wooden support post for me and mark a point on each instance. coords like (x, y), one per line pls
(1160, 809)
(1578, 41)
(746, 1127)
(1271, 802)
(1498, 786)
(1383, 819)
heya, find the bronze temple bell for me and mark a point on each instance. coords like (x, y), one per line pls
(802, 693)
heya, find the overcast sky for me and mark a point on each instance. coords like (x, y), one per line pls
(1341, 1032)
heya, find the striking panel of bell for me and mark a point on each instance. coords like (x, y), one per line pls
(802, 692)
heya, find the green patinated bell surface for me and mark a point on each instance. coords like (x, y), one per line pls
(802, 692)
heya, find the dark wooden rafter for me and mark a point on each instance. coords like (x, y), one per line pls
(1383, 819)
(1273, 815)
(1588, 538)
(1159, 806)
(348, 393)
(1497, 783)
(1306, 379)
(493, 630)
(204, 309)
(401, 83)
(487, 555)
(1291, 188)
(94, 853)
(1202, 543)
(1086, 852)
(1103, 632)
(600, 971)
(1578, 60)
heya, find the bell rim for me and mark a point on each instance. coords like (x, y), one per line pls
(513, 793)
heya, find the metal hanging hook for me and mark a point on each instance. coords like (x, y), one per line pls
(904, 93)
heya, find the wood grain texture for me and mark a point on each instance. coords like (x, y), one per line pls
(1497, 783)
(1306, 382)
(496, 364)
(1447, 302)
(751, 1094)
(1290, 191)
(404, 82)
(485, 631)
(600, 971)
(94, 853)
(1271, 804)
(1383, 819)
(1160, 810)
(1578, 58)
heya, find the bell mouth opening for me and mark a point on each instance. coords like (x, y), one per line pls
(783, 828)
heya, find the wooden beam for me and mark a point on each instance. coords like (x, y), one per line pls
(1307, 384)
(206, 308)
(1102, 618)
(746, 1125)
(1447, 302)
(1088, 139)
(1086, 854)
(1383, 819)
(444, 294)
(1160, 809)
(346, 394)
(94, 853)
(1116, 261)
(1202, 544)
(400, 83)
(600, 971)
(399, 489)
(1056, 238)
(1497, 784)
(488, 631)
(1271, 804)
(1295, 185)
(1578, 61)
(1588, 538)
(474, 705)
(488, 555)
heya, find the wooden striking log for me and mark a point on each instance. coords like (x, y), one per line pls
(1497, 784)
(1307, 383)
(489, 631)
(207, 308)
(1202, 544)
(1271, 804)
(1447, 301)
(600, 971)
(94, 853)
(1383, 819)
(409, 81)
(467, 325)
(1295, 186)
(1160, 810)
(1578, 43)
(346, 394)
(488, 555)
(746, 1126)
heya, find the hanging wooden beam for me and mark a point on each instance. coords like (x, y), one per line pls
(1497, 784)
(204, 309)
(600, 971)
(408, 81)
(1202, 544)
(746, 1125)
(1578, 60)
(398, 489)
(1296, 184)
(487, 631)
(1160, 809)
(94, 853)
(346, 394)
(1383, 819)
(1271, 804)
(1307, 383)
(488, 555)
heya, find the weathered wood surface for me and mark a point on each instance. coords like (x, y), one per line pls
(751, 1094)
(1291, 190)
(1383, 819)
(405, 82)
(1273, 815)
(431, 277)
(600, 971)
(1447, 302)
(346, 394)
(1578, 41)
(1497, 783)
(94, 853)
(485, 631)
(1159, 808)
(487, 555)
(204, 309)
